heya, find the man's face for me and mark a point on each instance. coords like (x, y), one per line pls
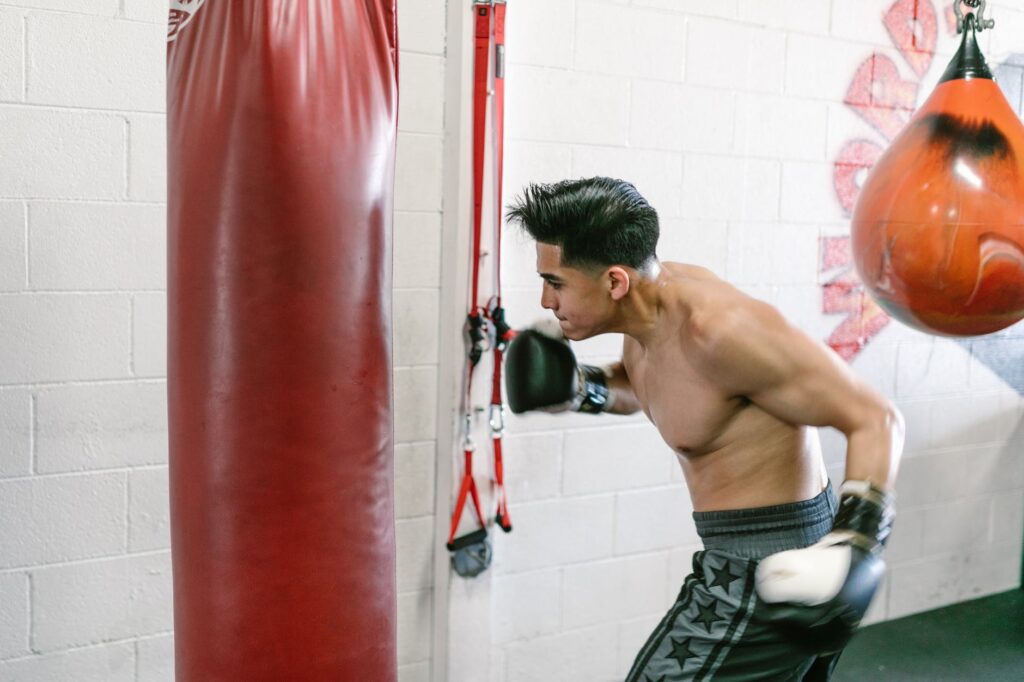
(577, 299)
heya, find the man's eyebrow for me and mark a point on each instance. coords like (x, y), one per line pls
(551, 278)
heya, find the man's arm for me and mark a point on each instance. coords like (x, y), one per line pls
(750, 350)
(624, 401)
(814, 596)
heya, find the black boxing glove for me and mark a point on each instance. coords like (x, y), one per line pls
(541, 373)
(817, 596)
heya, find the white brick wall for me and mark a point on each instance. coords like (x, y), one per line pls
(736, 153)
(728, 115)
(85, 579)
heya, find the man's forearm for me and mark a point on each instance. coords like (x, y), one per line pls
(873, 451)
(624, 400)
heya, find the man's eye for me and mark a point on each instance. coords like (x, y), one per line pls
(554, 286)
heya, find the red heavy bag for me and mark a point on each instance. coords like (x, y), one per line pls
(281, 150)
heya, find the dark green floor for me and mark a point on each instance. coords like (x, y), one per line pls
(979, 640)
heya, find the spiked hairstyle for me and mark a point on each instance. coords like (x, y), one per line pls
(596, 221)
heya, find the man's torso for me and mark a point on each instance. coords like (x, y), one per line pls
(734, 454)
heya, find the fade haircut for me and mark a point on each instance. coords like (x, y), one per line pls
(597, 222)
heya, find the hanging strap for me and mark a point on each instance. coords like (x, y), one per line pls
(478, 319)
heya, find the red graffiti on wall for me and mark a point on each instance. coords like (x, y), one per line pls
(884, 99)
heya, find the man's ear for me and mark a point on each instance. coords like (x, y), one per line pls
(618, 282)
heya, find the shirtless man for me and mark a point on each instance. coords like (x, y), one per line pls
(786, 574)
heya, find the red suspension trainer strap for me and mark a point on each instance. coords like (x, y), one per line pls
(485, 324)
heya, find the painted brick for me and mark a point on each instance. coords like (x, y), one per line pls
(417, 250)
(963, 524)
(421, 25)
(628, 41)
(415, 404)
(107, 663)
(104, 8)
(421, 106)
(147, 158)
(156, 659)
(918, 364)
(658, 176)
(12, 55)
(808, 194)
(414, 480)
(97, 601)
(990, 570)
(546, 24)
(924, 584)
(415, 328)
(61, 518)
(418, 173)
(549, 534)
(931, 479)
(415, 542)
(414, 672)
(613, 459)
(526, 605)
(95, 62)
(681, 117)
(13, 245)
(723, 188)
(861, 21)
(770, 252)
(822, 68)
(780, 127)
(592, 109)
(982, 419)
(101, 426)
(149, 334)
(415, 626)
(152, 11)
(699, 242)
(616, 590)
(1007, 517)
(149, 516)
(735, 57)
(654, 519)
(812, 16)
(14, 615)
(61, 154)
(725, 9)
(112, 247)
(576, 656)
(533, 466)
(15, 433)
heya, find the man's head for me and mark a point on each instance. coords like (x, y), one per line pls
(593, 236)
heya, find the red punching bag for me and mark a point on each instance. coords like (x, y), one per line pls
(281, 150)
(938, 229)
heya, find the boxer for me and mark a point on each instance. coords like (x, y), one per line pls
(787, 570)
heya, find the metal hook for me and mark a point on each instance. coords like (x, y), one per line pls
(980, 22)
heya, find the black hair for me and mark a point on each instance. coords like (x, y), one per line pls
(596, 221)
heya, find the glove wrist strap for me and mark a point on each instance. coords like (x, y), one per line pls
(593, 395)
(866, 511)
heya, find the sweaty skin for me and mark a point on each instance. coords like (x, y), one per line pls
(731, 386)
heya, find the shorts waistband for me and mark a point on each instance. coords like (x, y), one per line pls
(760, 531)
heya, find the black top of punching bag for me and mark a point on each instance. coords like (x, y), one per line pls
(968, 62)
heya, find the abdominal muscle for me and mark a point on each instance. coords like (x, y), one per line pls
(756, 461)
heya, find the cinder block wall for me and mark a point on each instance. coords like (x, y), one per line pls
(731, 118)
(85, 572)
